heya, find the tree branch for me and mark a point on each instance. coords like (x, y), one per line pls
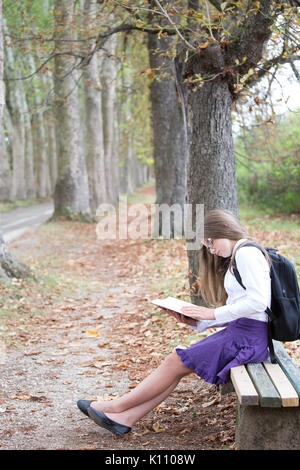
(216, 4)
(189, 45)
(294, 69)
(263, 70)
(249, 38)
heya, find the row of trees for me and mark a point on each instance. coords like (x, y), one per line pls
(69, 131)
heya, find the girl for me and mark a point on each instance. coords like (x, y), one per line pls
(245, 339)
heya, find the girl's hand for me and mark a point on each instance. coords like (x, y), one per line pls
(181, 318)
(200, 313)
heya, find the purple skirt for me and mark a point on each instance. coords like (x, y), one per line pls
(244, 340)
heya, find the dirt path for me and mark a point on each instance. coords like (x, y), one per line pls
(99, 343)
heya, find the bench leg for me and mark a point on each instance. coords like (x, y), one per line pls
(260, 428)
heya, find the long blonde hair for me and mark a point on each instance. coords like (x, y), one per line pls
(212, 268)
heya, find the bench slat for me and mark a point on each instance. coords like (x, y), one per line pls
(288, 366)
(289, 396)
(245, 390)
(268, 395)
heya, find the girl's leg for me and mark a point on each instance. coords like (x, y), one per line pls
(165, 377)
(132, 415)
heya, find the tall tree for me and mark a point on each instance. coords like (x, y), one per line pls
(108, 75)
(2, 93)
(71, 192)
(94, 141)
(15, 108)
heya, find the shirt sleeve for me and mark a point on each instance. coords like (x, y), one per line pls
(254, 270)
(205, 324)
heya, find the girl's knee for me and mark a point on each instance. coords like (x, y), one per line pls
(173, 360)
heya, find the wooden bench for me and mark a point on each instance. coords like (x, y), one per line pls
(268, 411)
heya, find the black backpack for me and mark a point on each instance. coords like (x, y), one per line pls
(284, 314)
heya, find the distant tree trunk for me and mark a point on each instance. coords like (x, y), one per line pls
(71, 192)
(108, 84)
(4, 166)
(29, 156)
(39, 135)
(94, 144)
(9, 267)
(49, 124)
(2, 91)
(15, 102)
(5, 171)
(169, 137)
(52, 157)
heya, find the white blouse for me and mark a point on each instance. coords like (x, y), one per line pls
(250, 302)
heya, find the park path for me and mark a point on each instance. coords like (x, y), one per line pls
(18, 221)
(100, 343)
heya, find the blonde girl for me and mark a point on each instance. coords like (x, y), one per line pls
(242, 311)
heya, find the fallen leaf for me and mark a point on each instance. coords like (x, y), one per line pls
(94, 332)
(209, 403)
(156, 427)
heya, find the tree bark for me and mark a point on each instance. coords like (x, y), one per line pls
(108, 71)
(71, 196)
(2, 91)
(39, 134)
(5, 171)
(29, 155)
(94, 144)
(4, 165)
(15, 102)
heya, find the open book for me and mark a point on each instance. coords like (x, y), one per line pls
(171, 303)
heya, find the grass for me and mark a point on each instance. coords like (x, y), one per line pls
(6, 206)
(268, 220)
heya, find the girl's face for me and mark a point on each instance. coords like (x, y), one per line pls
(220, 246)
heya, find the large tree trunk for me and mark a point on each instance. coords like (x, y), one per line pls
(169, 137)
(211, 177)
(71, 191)
(211, 167)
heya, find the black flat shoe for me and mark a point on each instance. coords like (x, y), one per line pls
(83, 405)
(102, 420)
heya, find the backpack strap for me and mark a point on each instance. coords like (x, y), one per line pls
(271, 345)
(268, 311)
(234, 266)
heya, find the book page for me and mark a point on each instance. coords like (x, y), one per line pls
(171, 303)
